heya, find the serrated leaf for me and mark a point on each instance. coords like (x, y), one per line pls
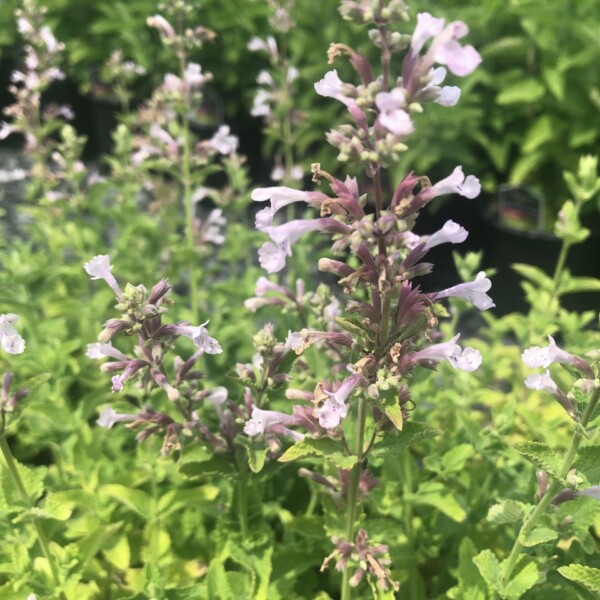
(542, 456)
(412, 431)
(256, 451)
(535, 275)
(588, 577)
(470, 582)
(325, 447)
(539, 535)
(218, 583)
(489, 567)
(507, 511)
(524, 577)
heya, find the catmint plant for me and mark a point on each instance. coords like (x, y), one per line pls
(56, 172)
(388, 325)
(273, 99)
(572, 380)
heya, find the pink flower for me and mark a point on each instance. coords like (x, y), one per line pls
(448, 95)
(451, 232)
(393, 115)
(472, 291)
(269, 45)
(445, 49)
(163, 26)
(100, 268)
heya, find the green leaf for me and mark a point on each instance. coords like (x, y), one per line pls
(354, 326)
(33, 482)
(387, 402)
(455, 459)
(575, 285)
(535, 275)
(218, 583)
(539, 535)
(521, 92)
(325, 447)
(470, 583)
(588, 577)
(588, 463)
(393, 444)
(568, 227)
(541, 132)
(524, 577)
(257, 452)
(489, 567)
(136, 500)
(432, 493)
(198, 461)
(542, 456)
(507, 511)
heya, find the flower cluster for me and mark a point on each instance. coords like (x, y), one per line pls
(141, 316)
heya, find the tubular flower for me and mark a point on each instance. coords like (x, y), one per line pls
(263, 419)
(544, 382)
(393, 115)
(445, 48)
(280, 197)
(543, 357)
(199, 335)
(331, 86)
(10, 340)
(468, 359)
(455, 183)
(272, 255)
(334, 409)
(109, 417)
(100, 268)
(472, 291)
(451, 232)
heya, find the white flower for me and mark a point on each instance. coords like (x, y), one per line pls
(294, 341)
(392, 114)
(468, 359)
(451, 232)
(100, 268)
(199, 335)
(10, 340)
(472, 291)
(331, 86)
(456, 183)
(99, 351)
(263, 419)
(109, 417)
(223, 142)
(537, 381)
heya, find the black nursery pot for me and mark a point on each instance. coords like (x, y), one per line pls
(503, 246)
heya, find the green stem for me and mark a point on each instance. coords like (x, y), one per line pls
(407, 489)
(560, 265)
(243, 502)
(531, 519)
(43, 540)
(353, 484)
(186, 183)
